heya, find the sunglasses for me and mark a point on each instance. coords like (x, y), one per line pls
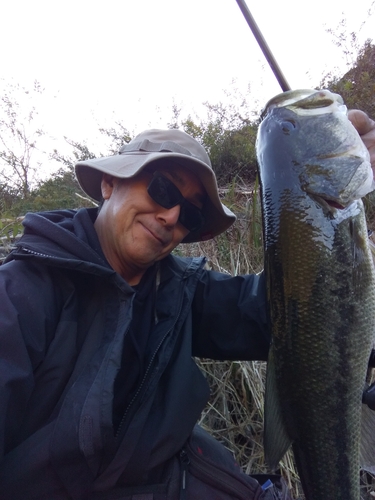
(167, 195)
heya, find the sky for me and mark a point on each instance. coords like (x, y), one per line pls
(131, 60)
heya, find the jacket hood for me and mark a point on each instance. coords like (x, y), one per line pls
(65, 238)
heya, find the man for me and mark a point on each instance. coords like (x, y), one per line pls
(98, 326)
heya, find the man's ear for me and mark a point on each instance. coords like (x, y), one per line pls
(107, 186)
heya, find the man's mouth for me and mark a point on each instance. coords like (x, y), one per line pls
(161, 239)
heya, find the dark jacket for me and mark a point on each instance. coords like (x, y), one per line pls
(64, 314)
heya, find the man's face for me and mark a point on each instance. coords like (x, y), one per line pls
(133, 229)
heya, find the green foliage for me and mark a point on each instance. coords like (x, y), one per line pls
(357, 86)
(60, 191)
(80, 152)
(233, 154)
(10, 230)
(8, 197)
(229, 139)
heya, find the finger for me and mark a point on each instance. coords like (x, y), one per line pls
(361, 121)
(368, 397)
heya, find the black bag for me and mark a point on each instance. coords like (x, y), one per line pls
(204, 470)
(209, 471)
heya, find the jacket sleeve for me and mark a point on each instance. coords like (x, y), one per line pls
(28, 314)
(229, 317)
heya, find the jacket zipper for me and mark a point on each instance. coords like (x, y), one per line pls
(38, 253)
(140, 387)
(144, 377)
(185, 462)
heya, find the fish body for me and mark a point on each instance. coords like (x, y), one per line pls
(314, 170)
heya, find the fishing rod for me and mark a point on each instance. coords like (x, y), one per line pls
(263, 45)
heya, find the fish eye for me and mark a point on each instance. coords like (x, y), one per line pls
(287, 126)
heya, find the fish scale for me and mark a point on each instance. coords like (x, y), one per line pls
(321, 293)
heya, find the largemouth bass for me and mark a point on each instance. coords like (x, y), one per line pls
(314, 169)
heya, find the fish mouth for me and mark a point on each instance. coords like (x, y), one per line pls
(334, 204)
(306, 102)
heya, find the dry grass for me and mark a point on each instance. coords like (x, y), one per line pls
(234, 415)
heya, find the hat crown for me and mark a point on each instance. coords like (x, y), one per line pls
(171, 140)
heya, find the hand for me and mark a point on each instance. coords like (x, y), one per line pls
(366, 129)
(371, 363)
(368, 397)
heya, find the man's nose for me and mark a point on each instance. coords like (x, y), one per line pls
(169, 216)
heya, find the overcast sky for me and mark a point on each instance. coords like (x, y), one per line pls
(131, 59)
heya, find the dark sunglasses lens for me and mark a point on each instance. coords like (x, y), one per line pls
(164, 192)
(191, 217)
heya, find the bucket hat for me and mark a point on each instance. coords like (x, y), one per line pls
(153, 145)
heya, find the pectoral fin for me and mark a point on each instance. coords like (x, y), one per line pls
(276, 439)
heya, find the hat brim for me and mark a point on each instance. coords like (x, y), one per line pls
(126, 165)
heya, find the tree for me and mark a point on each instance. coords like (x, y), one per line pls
(61, 190)
(357, 86)
(229, 137)
(118, 136)
(19, 136)
(8, 197)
